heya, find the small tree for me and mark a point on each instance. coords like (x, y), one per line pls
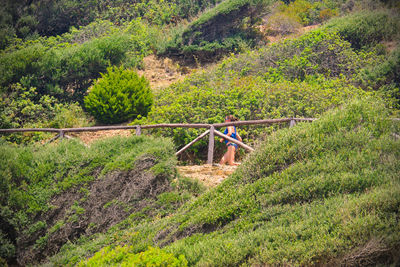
(119, 95)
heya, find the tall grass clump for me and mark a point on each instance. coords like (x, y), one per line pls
(325, 192)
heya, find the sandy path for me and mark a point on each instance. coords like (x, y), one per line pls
(209, 175)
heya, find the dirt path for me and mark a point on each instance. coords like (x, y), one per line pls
(90, 137)
(209, 175)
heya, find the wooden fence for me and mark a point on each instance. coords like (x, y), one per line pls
(211, 131)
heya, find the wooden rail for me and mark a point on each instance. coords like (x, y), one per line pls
(138, 128)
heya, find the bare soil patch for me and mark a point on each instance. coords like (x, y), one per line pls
(162, 72)
(90, 137)
(209, 175)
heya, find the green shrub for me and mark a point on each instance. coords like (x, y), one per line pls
(384, 77)
(316, 52)
(122, 256)
(25, 108)
(16, 64)
(118, 96)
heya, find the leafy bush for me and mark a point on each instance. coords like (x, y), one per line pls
(384, 77)
(316, 52)
(121, 256)
(118, 96)
(198, 100)
(24, 108)
(19, 63)
(367, 28)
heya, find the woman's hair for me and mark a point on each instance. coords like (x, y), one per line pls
(231, 118)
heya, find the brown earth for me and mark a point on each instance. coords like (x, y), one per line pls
(90, 137)
(162, 72)
(209, 175)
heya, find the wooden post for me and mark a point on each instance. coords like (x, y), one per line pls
(292, 123)
(52, 139)
(138, 130)
(62, 135)
(191, 143)
(211, 146)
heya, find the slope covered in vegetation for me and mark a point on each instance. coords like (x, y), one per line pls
(300, 77)
(54, 194)
(326, 192)
(319, 193)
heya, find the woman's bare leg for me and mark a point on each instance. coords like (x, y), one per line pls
(224, 158)
(231, 155)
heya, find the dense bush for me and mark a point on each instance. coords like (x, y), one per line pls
(316, 52)
(384, 77)
(24, 108)
(118, 96)
(306, 12)
(248, 98)
(121, 256)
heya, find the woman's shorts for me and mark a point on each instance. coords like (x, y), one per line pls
(233, 144)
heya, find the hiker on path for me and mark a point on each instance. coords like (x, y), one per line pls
(230, 131)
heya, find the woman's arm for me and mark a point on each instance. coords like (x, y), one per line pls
(238, 137)
(231, 130)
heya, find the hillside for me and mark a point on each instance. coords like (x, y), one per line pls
(320, 193)
(69, 191)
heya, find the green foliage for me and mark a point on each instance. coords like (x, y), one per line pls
(301, 77)
(63, 71)
(25, 108)
(384, 77)
(316, 52)
(309, 12)
(122, 256)
(118, 96)
(367, 28)
(28, 20)
(19, 63)
(224, 28)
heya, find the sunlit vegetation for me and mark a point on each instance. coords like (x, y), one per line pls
(320, 193)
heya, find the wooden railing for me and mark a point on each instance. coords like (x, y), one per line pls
(211, 131)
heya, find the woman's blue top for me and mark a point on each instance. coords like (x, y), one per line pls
(233, 135)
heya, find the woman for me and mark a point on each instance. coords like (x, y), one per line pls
(230, 131)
